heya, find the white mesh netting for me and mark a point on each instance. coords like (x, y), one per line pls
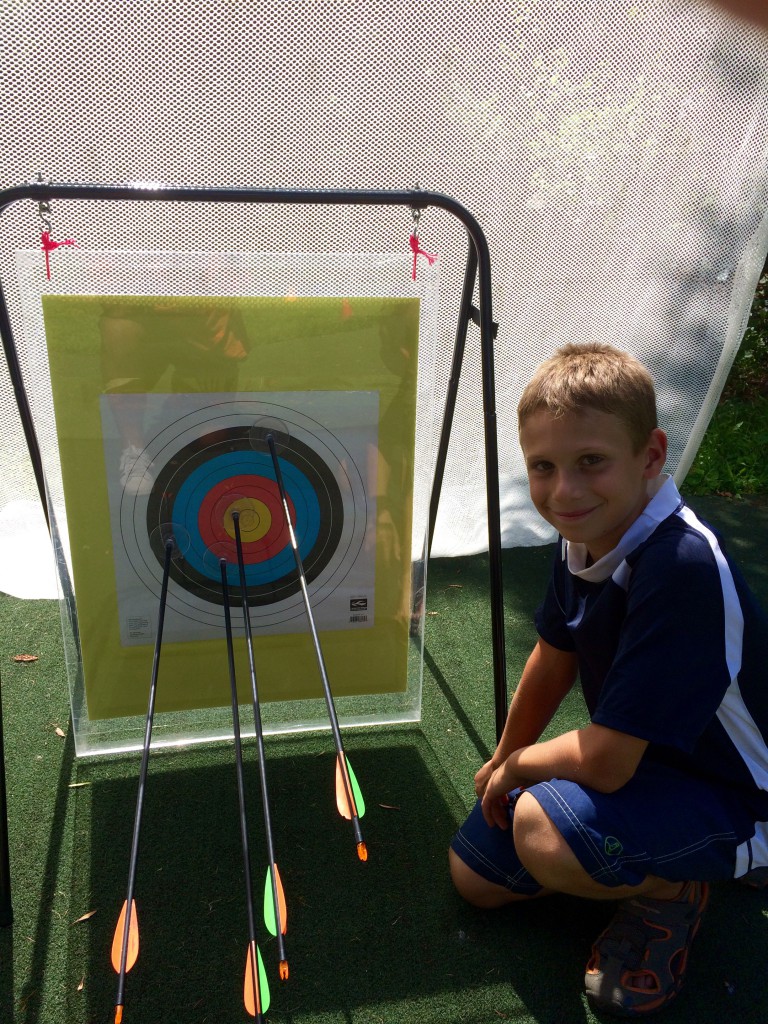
(614, 153)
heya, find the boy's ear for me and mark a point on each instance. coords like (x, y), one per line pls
(656, 452)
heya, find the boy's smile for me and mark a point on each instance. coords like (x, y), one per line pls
(585, 478)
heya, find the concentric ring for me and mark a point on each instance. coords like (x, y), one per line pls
(205, 465)
(200, 486)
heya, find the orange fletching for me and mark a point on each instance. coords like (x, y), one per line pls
(118, 1014)
(250, 989)
(281, 901)
(346, 809)
(133, 940)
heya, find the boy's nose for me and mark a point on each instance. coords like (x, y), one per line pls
(566, 486)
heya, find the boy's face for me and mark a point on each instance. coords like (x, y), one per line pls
(585, 478)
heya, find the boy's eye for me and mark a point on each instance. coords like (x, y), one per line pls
(592, 460)
(540, 467)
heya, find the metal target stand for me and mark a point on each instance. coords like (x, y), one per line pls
(478, 271)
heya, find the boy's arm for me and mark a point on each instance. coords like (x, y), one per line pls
(600, 758)
(547, 677)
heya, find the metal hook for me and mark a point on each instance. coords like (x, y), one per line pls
(416, 213)
(44, 208)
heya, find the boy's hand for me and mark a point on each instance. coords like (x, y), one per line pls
(495, 801)
(482, 777)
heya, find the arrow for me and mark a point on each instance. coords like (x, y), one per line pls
(348, 806)
(256, 989)
(278, 898)
(125, 944)
(343, 785)
(274, 883)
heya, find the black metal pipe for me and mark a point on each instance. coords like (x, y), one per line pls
(6, 908)
(44, 192)
(22, 402)
(413, 198)
(465, 308)
(492, 489)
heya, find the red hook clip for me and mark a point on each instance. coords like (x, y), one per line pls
(418, 251)
(48, 245)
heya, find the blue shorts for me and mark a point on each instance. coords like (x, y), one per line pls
(661, 823)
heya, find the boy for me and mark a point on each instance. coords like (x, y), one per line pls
(666, 789)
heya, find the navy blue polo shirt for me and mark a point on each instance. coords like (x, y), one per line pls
(672, 646)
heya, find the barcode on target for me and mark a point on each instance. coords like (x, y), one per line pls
(358, 618)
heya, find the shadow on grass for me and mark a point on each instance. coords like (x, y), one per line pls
(351, 925)
(365, 941)
(384, 940)
(744, 527)
(30, 1001)
(360, 936)
(6, 974)
(453, 702)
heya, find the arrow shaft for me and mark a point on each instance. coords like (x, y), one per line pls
(143, 771)
(259, 734)
(333, 717)
(238, 754)
(240, 783)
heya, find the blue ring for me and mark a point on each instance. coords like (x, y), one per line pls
(242, 463)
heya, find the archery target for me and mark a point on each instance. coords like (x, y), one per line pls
(205, 464)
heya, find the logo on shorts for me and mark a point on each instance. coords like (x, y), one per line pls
(612, 847)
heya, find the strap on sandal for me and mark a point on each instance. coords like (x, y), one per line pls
(638, 963)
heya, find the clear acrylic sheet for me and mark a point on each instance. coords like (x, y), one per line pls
(165, 373)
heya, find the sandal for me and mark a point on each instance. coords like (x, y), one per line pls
(638, 963)
(757, 878)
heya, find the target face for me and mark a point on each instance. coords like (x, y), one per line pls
(204, 466)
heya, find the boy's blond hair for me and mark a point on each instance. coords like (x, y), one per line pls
(594, 376)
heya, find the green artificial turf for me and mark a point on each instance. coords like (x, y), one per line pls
(367, 943)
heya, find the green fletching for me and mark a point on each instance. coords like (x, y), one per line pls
(263, 984)
(359, 802)
(270, 917)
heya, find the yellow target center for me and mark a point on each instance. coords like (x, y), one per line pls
(255, 519)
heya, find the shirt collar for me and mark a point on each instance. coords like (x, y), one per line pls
(664, 501)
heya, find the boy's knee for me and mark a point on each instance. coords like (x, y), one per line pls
(531, 822)
(545, 854)
(539, 844)
(474, 888)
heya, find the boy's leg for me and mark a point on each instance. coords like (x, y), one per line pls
(484, 864)
(640, 846)
(660, 830)
(542, 849)
(479, 891)
(638, 963)
(488, 865)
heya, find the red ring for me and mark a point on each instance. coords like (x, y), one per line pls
(210, 517)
